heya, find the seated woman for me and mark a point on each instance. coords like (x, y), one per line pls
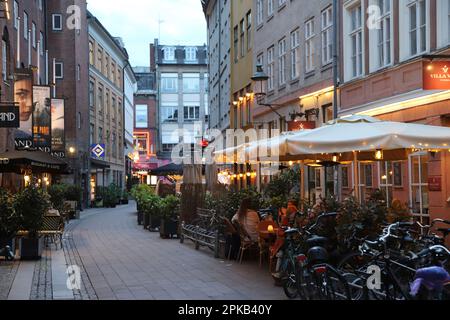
(248, 219)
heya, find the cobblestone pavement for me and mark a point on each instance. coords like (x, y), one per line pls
(121, 261)
(41, 288)
(8, 272)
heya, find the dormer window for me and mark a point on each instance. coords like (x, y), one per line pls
(191, 54)
(169, 53)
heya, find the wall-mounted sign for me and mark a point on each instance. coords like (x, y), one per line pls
(58, 134)
(435, 184)
(42, 119)
(436, 75)
(301, 125)
(9, 116)
(23, 96)
(98, 151)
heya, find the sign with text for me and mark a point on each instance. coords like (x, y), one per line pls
(301, 125)
(58, 134)
(9, 116)
(42, 136)
(98, 151)
(436, 75)
(23, 96)
(435, 184)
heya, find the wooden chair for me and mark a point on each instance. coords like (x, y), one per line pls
(246, 241)
(53, 230)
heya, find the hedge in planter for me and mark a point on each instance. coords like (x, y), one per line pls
(30, 205)
(9, 223)
(170, 211)
(151, 206)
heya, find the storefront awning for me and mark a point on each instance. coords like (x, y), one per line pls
(98, 164)
(36, 161)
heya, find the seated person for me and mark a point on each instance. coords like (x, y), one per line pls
(248, 219)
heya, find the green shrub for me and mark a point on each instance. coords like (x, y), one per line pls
(58, 193)
(151, 205)
(9, 221)
(170, 207)
(30, 205)
(73, 193)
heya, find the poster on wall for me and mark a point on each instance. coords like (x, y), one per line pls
(42, 137)
(23, 97)
(58, 129)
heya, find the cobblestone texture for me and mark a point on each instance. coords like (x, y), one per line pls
(42, 279)
(8, 272)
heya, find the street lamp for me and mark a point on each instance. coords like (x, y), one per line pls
(260, 79)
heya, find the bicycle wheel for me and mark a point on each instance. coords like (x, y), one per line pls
(352, 267)
(290, 281)
(306, 284)
(330, 283)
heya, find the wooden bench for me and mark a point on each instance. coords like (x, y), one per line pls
(202, 232)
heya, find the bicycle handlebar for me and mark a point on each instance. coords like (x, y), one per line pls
(432, 248)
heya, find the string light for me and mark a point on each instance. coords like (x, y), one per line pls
(379, 154)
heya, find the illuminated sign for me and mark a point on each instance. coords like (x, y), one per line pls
(9, 116)
(436, 75)
(301, 125)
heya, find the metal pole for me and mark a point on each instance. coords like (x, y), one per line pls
(335, 57)
(18, 42)
(29, 47)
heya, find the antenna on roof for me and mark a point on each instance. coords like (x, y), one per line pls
(160, 22)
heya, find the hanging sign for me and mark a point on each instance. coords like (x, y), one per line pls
(58, 130)
(9, 116)
(301, 125)
(436, 75)
(23, 96)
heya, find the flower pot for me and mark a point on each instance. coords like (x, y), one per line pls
(169, 228)
(155, 223)
(31, 248)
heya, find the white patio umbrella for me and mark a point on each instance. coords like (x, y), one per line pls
(360, 133)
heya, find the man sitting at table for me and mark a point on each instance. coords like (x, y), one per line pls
(248, 219)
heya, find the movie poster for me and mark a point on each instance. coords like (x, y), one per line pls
(23, 96)
(42, 137)
(58, 136)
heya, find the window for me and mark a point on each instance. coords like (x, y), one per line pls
(191, 113)
(100, 59)
(417, 27)
(41, 41)
(91, 53)
(114, 145)
(271, 68)
(4, 60)
(57, 22)
(345, 177)
(59, 70)
(169, 83)
(282, 62)
(327, 36)
(113, 72)
(141, 116)
(327, 113)
(398, 174)
(419, 192)
(33, 34)
(356, 41)
(168, 147)
(191, 54)
(92, 134)
(236, 43)
(259, 12)
(191, 83)
(242, 38)
(106, 69)
(295, 54)
(249, 30)
(281, 3)
(100, 134)
(169, 114)
(309, 45)
(269, 7)
(25, 25)
(169, 53)
(91, 94)
(384, 33)
(16, 15)
(100, 99)
(113, 109)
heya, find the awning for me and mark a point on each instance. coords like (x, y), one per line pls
(170, 169)
(36, 161)
(98, 164)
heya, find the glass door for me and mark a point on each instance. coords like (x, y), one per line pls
(419, 193)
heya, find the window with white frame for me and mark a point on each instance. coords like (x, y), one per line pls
(33, 34)
(141, 116)
(309, 45)
(191, 54)
(59, 70)
(4, 61)
(356, 40)
(41, 40)
(169, 114)
(169, 82)
(417, 11)
(191, 83)
(295, 54)
(57, 22)
(327, 36)
(25, 26)
(270, 68)
(16, 15)
(269, 8)
(259, 12)
(282, 62)
(384, 45)
(169, 53)
(191, 113)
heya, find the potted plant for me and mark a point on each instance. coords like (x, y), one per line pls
(30, 205)
(73, 195)
(170, 210)
(57, 194)
(9, 224)
(125, 197)
(110, 197)
(152, 212)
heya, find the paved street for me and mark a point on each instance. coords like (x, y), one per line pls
(120, 260)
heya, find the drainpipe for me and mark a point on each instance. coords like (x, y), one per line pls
(337, 169)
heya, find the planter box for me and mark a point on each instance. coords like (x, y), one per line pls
(169, 228)
(140, 218)
(152, 223)
(31, 249)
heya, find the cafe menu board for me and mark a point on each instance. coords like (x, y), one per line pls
(42, 137)
(58, 135)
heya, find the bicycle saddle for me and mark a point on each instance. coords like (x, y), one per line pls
(316, 241)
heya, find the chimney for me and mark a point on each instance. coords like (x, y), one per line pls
(152, 57)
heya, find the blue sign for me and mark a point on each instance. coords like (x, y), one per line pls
(98, 151)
